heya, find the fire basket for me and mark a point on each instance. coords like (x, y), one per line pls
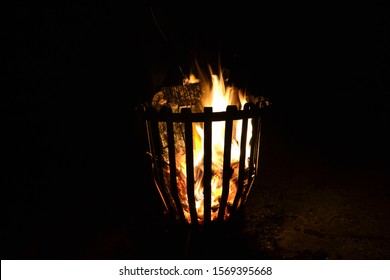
(204, 154)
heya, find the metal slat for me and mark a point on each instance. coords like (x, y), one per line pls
(253, 160)
(227, 170)
(241, 170)
(257, 144)
(200, 117)
(207, 160)
(190, 167)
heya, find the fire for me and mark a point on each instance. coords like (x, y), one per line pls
(218, 95)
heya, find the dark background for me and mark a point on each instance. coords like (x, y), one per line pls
(76, 181)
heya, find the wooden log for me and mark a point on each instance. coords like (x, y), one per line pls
(178, 97)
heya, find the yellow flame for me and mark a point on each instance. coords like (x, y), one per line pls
(217, 95)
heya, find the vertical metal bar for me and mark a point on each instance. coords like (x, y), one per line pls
(258, 140)
(190, 165)
(227, 169)
(172, 167)
(253, 145)
(253, 159)
(207, 159)
(241, 170)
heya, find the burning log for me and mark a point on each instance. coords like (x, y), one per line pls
(178, 97)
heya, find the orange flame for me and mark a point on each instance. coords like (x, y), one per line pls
(217, 95)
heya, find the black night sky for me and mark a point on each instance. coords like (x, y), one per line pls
(77, 183)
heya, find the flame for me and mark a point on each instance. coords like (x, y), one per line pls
(218, 95)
